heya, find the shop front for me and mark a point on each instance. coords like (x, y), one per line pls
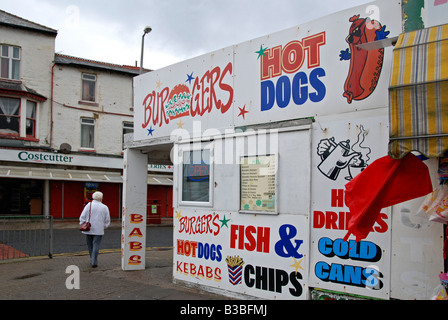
(44, 183)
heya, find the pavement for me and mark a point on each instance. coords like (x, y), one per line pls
(42, 278)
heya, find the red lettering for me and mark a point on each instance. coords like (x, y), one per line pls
(318, 219)
(263, 235)
(134, 260)
(225, 87)
(342, 220)
(136, 218)
(339, 221)
(202, 224)
(201, 271)
(337, 198)
(136, 232)
(233, 235)
(204, 96)
(382, 225)
(260, 243)
(312, 44)
(187, 248)
(251, 244)
(198, 170)
(153, 108)
(198, 270)
(135, 246)
(330, 221)
(180, 247)
(217, 274)
(208, 272)
(271, 63)
(216, 217)
(290, 58)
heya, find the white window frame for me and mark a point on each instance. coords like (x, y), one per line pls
(126, 125)
(11, 58)
(89, 77)
(195, 147)
(87, 122)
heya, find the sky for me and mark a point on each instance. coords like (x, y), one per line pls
(111, 30)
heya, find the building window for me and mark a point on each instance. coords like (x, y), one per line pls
(197, 176)
(31, 118)
(10, 62)
(9, 116)
(87, 133)
(128, 127)
(88, 87)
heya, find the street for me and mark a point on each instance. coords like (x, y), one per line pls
(72, 240)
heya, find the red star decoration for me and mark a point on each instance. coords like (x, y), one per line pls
(243, 112)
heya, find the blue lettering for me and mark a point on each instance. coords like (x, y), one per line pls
(299, 93)
(218, 253)
(267, 95)
(317, 84)
(369, 251)
(372, 280)
(321, 270)
(352, 275)
(363, 250)
(283, 92)
(325, 247)
(336, 273)
(349, 275)
(340, 247)
(207, 251)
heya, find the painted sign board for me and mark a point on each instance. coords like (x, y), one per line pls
(341, 149)
(134, 212)
(313, 69)
(28, 156)
(262, 257)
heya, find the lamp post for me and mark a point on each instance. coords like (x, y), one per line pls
(145, 31)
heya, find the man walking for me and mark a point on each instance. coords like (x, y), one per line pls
(99, 216)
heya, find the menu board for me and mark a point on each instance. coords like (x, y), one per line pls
(258, 181)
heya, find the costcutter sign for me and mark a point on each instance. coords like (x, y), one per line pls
(312, 70)
(27, 156)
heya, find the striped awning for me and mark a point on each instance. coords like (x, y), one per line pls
(418, 93)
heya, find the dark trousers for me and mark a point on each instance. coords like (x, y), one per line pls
(93, 244)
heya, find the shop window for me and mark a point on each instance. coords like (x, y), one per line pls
(88, 87)
(87, 133)
(10, 62)
(197, 177)
(9, 116)
(258, 184)
(30, 118)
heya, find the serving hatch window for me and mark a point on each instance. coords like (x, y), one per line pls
(258, 181)
(196, 177)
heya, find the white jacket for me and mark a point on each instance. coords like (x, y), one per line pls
(99, 217)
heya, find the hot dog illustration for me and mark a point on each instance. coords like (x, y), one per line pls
(365, 65)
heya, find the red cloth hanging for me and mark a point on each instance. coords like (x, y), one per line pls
(383, 183)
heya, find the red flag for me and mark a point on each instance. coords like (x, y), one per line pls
(383, 183)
